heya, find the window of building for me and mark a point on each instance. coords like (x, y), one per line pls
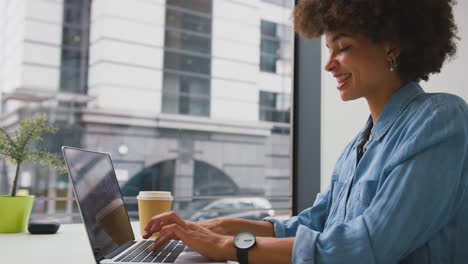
(188, 21)
(186, 95)
(187, 54)
(275, 107)
(176, 39)
(75, 45)
(269, 46)
(187, 63)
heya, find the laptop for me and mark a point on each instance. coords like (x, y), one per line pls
(106, 218)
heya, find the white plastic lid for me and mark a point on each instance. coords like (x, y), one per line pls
(154, 195)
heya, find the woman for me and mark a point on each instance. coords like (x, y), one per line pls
(399, 191)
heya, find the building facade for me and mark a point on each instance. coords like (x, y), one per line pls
(187, 96)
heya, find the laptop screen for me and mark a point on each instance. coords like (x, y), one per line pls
(99, 198)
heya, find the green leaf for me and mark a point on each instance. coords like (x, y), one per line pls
(19, 145)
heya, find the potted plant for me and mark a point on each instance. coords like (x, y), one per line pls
(19, 147)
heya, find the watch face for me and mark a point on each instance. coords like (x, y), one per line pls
(244, 240)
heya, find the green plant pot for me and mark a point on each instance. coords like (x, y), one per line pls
(15, 212)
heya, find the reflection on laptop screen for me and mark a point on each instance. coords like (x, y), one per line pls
(99, 199)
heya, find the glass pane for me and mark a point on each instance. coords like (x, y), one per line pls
(180, 84)
(72, 36)
(74, 4)
(192, 95)
(194, 106)
(266, 115)
(73, 15)
(274, 107)
(267, 99)
(186, 63)
(178, 19)
(268, 28)
(186, 41)
(269, 46)
(70, 80)
(74, 47)
(267, 63)
(170, 103)
(71, 58)
(196, 87)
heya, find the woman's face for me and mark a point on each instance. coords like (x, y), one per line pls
(360, 66)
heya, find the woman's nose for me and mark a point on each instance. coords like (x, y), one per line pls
(331, 65)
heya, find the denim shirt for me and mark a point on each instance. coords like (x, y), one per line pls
(406, 201)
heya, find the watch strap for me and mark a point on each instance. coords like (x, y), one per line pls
(242, 256)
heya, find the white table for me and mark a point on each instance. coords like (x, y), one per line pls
(69, 245)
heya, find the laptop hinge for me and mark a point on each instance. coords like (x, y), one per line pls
(118, 250)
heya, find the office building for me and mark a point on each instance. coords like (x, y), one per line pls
(187, 96)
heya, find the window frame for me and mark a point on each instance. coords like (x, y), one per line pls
(306, 123)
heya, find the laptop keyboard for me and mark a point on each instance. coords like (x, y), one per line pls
(167, 253)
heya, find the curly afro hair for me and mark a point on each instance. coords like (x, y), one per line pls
(423, 29)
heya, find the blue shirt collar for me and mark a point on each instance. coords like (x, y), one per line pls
(394, 107)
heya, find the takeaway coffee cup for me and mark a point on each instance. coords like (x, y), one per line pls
(151, 203)
(111, 218)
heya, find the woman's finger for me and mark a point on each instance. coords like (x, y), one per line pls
(154, 220)
(159, 221)
(167, 233)
(168, 217)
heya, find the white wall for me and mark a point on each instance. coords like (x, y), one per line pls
(342, 120)
(126, 54)
(234, 65)
(42, 44)
(11, 43)
(30, 38)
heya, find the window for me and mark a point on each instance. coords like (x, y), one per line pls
(187, 41)
(187, 21)
(186, 95)
(171, 89)
(269, 46)
(275, 47)
(274, 107)
(187, 54)
(186, 63)
(75, 36)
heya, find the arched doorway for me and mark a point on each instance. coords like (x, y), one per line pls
(158, 177)
(209, 180)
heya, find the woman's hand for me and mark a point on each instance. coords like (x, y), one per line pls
(214, 225)
(198, 237)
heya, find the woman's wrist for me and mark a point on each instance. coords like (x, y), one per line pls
(233, 226)
(228, 248)
(226, 224)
